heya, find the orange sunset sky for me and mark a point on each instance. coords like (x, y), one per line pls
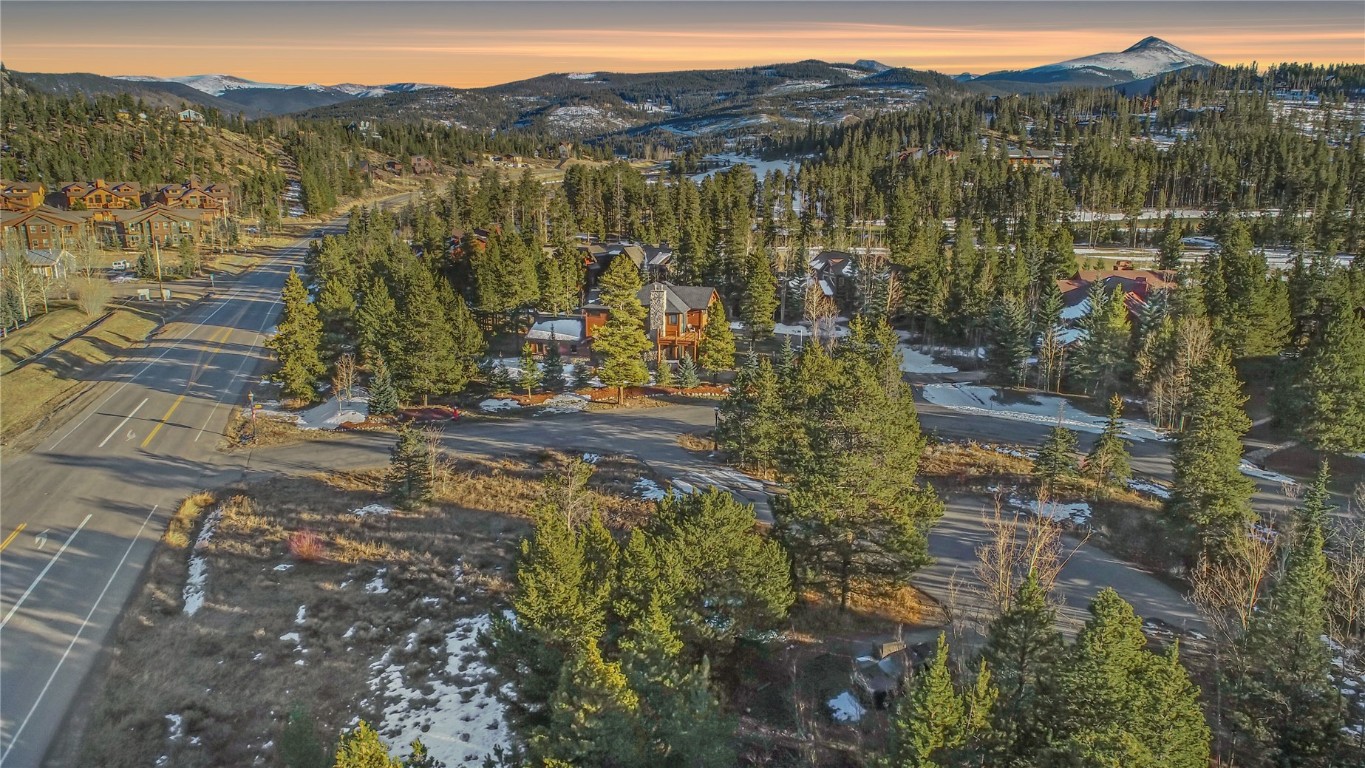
(482, 43)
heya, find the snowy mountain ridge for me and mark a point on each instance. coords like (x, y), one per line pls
(1148, 57)
(217, 85)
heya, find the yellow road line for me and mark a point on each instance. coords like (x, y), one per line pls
(216, 338)
(10, 537)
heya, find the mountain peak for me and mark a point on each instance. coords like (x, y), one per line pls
(1151, 42)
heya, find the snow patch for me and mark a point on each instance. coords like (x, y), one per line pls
(493, 405)
(302, 615)
(1150, 488)
(376, 585)
(455, 714)
(1247, 468)
(846, 708)
(565, 403)
(376, 510)
(1075, 513)
(591, 458)
(649, 490)
(1039, 409)
(199, 567)
(915, 361)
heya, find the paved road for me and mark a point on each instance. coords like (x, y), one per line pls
(81, 513)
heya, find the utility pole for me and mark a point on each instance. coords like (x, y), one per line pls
(160, 287)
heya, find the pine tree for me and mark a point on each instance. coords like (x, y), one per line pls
(733, 579)
(1056, 458)
(1211, 495)
(759, 300)
(1102, 363)
(1023, 651)
(663, 375)
(1333, 384)
(621, 341)
(554, 367)
(298, 341)
(591, 714)
(750, 424)
(383, 396)
(409, 477)
(377, 322)
(930, 719)
(1008, 345)
(299, 743)
(1168, 255)
(1107, 461)
(1282, 695)
(688, 378)
(784, 363)
(1120, 704)
(362, 748)
(716, 352)
(430, 362)
(530, 368)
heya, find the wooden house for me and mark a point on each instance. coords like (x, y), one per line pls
(102, 195)
(21, 195)
(421, 165)
(676, 320)
(191, 116)
(41, 228)
(194, 194)
(156, 224)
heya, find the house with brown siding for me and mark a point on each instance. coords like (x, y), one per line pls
(102, 195)
(194, 194)
(41, 228)
(421, 165)
(676, 316)
(156, 224)
(21, 195)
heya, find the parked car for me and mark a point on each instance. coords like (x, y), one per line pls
(121, 265)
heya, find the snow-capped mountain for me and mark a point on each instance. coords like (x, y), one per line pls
(278, 98)
(1149, 57)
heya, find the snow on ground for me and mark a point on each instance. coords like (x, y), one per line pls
(1150, 488)
(761, 167)
(1077, 513)
(301, 615)
(915, 361)
(592, 458)
(492, 405)
(565, 403)
(328, 415)
(372, 509)
(1252, 470)
(455, 714)
(846, 708)
(199, 568)
(376, 585)
(1039, 409)
(649, 490)
(290, 637)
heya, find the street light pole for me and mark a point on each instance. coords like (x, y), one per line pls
(160, 286)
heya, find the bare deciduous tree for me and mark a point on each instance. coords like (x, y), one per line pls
(1226, 591)
(1346, 562)
(1018, 545)
(345, 377)
(92, 289)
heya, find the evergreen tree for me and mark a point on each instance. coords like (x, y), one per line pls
(930, 719)
(1107, 461)
(1008, 345)
(362, 748)
(1171, 249)
(1023, 651)
(430, 362)
(299, 743)
(1102, 362)
(621, 341)
(297, 342)
(530, 368)
(1333, 384)
(409, 477)
(592, 714)
(1056, 458)
(750, 426)
(1211, 495)
(377, 322)
(759, 300)
(688, 377)
(784, 363)
(1282, 695)
(1120, 704)
(716, 352)
(383, 396)
(663, 374)
(554, 367)
(733, 579)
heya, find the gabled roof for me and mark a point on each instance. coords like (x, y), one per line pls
(46, 213)
(46, 257)
(21, 187)
(139, 216)
(679, 298)
(557, 329)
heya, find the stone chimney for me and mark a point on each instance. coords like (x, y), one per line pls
(658, 301)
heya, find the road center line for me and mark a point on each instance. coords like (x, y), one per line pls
(47, 568)
(269, 313)
(227, 300)
(10, 538)
(147, 441)
(121, 423)
(15, 738)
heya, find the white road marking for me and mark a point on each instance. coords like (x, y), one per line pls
(227, 300)
(121, 423)
(43, 573)
(15, 738)
(269, 315)
(40, 540)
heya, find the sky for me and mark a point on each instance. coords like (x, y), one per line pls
(483, 43)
